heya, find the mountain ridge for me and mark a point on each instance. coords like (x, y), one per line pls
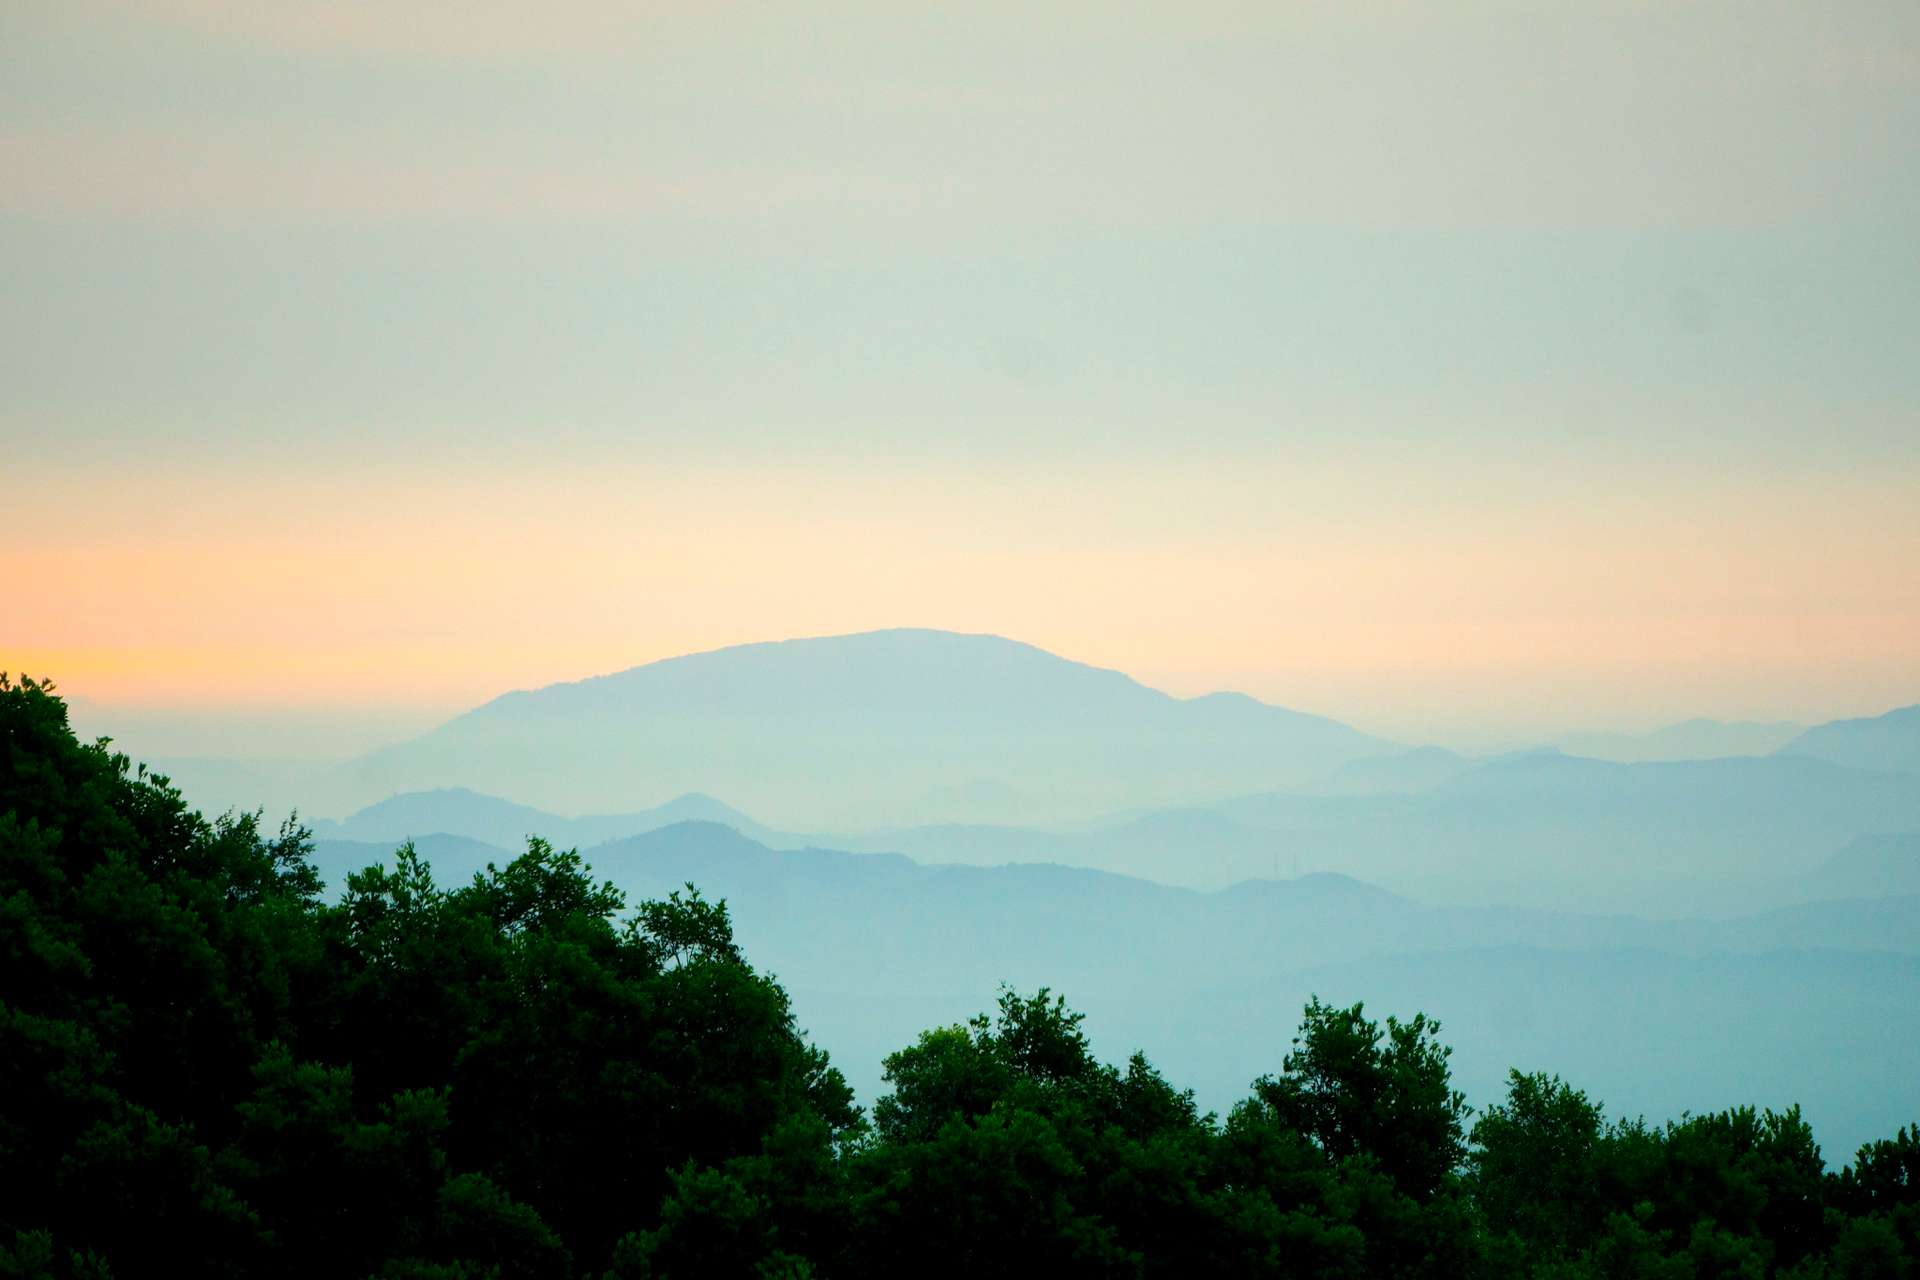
(1147, 961)
(867, 729)
(1889, 741)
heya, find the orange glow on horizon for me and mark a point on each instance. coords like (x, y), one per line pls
(1197, 578)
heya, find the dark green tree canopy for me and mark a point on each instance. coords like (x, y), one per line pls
(205, 1063)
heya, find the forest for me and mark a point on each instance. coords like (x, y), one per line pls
(209, 1068)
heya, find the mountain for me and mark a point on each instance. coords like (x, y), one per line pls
(885, 727)
(1560, 830)
(504, 824)
(1216, 980)
(1889, 742)
(454, 859)
(1087, 923)
(1688, 740)
(1539, 828)
(874, 946)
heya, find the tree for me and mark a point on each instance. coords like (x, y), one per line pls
(1356, 1090)
(1535, 1165)
(200, 1061)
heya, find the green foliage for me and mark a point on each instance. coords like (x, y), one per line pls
(204, 1064)
(1535, 1166)
(206, 1070)
(1355, 1090)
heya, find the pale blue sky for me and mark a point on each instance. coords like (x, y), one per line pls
(1481, 279)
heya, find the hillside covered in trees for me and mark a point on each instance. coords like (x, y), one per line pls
(208, 1069)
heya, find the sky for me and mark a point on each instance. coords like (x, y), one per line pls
(1463, 371)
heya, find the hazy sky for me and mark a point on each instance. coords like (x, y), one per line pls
(1461, 371)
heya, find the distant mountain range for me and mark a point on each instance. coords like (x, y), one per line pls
(1542, 829)
(865, 730)
(1688, 740)
(1889, 742)
(1315, 918)
(1818, 1002)
(934, 730)
(957, 811)
(506, 825)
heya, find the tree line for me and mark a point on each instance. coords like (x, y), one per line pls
(209, 1069)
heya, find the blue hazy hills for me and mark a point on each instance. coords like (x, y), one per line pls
(1817, 1001)
(1541, 829)
(901, 821)
(1890, 741)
